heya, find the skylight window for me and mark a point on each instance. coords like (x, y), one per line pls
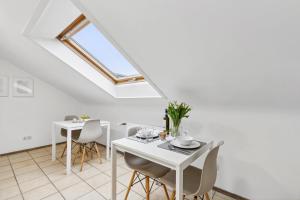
(89, 43)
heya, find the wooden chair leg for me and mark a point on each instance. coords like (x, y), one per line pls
(76, 154)
(173, 195)
(92, 147)
(89, 151)
(82, 159)
(74, 145)
(86, 157)
(62, 155)
(147, 188)
(166, 191)
(130, 184)
(207, 196)
(98, 152)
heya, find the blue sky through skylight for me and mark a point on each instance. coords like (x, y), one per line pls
(92, 40)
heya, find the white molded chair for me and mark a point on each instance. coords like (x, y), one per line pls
(145, 167)
(87, 139)
(197, 182)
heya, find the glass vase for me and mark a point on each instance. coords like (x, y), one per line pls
(175, 131)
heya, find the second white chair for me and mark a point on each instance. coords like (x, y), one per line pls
(141, 166)
(197, 182)
(87, 140)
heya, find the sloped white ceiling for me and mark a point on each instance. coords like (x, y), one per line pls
(208, 52)
(234, 53)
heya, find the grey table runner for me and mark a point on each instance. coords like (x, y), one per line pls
(170, 147)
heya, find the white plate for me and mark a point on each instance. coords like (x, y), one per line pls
(194, 144)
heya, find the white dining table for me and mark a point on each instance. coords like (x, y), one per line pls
(150, 151)
(71, 126)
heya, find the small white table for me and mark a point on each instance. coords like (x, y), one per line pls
(150, 151)
(70, 126)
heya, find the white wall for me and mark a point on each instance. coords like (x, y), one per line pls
(259, 159)
(31, 116)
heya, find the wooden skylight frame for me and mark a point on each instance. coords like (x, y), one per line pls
(78, 24)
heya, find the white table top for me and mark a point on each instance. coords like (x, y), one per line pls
(156, 154)
(70, 124)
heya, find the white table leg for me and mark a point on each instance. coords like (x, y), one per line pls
(113, 172)
(53, 130)
(69, 150)
(108, 142)
(179, 183)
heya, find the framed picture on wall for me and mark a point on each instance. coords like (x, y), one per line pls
(4, 86)
(22, 87)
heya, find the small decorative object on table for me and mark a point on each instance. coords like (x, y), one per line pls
(176, 112)
(84, 117)
(163, 135)
(166, 118)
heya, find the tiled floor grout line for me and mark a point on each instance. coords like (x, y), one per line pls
(85, 181)
(100, 185)
(126, 186)
(130, 171)
(15, 177)
(93, 165)
(102, 172)
(119, 165)
(47, 178)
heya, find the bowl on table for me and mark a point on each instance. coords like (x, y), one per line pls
(185, 140)
(144, 133)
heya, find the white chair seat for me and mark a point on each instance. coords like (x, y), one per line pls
(154, 170)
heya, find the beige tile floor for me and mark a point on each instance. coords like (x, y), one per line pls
(32, 175)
